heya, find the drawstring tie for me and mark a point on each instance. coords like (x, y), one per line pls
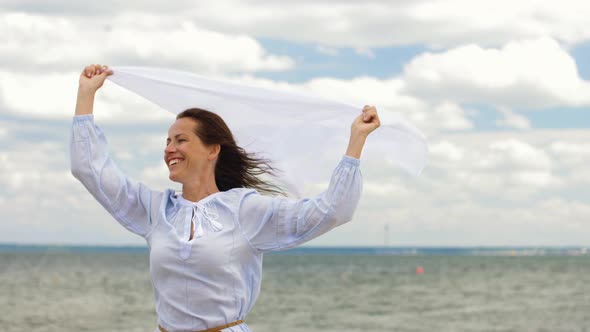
(203, 216)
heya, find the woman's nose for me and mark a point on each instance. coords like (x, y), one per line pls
(169, 148)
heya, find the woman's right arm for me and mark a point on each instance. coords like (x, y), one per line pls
(127, 201)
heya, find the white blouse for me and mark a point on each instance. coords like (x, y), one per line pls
(213, 279)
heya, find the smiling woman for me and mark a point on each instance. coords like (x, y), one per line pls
(206, 243)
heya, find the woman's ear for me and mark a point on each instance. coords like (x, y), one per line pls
(214, 151)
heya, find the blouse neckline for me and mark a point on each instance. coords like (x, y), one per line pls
(186, 202)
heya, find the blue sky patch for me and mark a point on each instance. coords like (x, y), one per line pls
(346, 63)
(581, 54)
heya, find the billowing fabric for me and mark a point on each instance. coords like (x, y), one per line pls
(290, 129)
(214, 278)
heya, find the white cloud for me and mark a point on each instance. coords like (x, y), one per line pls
(38, 43)
(488, 167)
(366, 52)
(157, 176)
(446, 150)
(385, 23)
(331, 51)
(449, 115)
(497, 22)
(49, 95)
(513, 120)
(536, 178)
(571, 150)
(20, 170)
(53, 96)
(529, 74)
(514, 153)
(386, 191)
(573, 156)
(365, 24)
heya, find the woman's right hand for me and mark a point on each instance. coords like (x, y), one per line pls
(92, 77)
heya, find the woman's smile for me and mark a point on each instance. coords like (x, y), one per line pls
(174, 161)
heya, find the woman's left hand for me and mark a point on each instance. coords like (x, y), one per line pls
(361, 127)
(365, 123)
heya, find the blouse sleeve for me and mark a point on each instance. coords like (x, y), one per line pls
(279, 223)
(128, 202)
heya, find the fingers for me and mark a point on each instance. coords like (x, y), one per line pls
(88, 71)
(91, 70)
(370, 113)
(96, 69)
(366, 122)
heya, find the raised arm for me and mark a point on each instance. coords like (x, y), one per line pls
(128, 202)
(278, 223)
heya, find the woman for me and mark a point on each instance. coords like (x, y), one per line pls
(207, 242)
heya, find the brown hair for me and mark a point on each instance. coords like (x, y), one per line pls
(235, 168)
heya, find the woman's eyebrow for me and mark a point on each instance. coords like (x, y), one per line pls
(175, 136)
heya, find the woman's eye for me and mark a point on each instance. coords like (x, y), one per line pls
(182, 140)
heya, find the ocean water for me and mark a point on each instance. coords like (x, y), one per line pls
(110, 291)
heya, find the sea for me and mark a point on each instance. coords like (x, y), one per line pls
(106, 289)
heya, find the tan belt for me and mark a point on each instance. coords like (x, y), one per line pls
(213, 329)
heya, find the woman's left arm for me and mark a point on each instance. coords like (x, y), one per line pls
(278, 223)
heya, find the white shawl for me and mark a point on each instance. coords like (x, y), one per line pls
(291, 129)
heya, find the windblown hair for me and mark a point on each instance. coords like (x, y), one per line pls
(235, 168)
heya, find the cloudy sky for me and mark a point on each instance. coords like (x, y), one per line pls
(500, 88)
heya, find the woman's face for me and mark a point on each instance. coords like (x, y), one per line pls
(185, 155)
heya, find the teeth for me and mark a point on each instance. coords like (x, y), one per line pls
(173, 162)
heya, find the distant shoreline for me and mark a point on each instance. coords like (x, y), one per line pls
(305, 250)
